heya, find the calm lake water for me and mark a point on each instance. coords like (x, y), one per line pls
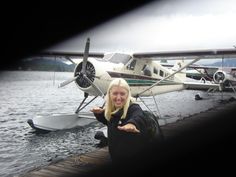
(25, 94)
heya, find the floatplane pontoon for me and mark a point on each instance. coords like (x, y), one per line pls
(61, 122)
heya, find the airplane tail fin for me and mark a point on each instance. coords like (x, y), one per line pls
(181, 76)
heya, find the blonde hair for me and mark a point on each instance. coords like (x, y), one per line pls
(109, 106)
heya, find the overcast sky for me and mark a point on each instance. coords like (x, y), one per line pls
(163, 26)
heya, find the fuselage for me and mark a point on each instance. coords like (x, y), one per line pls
(139, 73)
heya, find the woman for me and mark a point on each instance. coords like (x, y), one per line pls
(124, 119)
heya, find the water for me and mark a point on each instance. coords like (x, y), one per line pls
(25, 94)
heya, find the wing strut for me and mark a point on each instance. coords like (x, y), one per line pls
(232, 87)
(185, 66)
(68, 58)
(80, 106)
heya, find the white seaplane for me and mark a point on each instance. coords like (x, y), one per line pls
(219, 75)
(145, 76)
(226, 76)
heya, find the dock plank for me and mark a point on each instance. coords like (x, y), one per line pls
(62, 168)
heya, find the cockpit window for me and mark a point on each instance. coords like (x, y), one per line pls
(161, 73)
(147, 70)
(131, 65)
(144, 66)
(155, 70)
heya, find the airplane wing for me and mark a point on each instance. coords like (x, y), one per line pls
(203, 67)
(190, 54)
(191, 66)
(69, 55)
(201, 86)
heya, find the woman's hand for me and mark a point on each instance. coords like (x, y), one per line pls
(129, 128)
(97, 110)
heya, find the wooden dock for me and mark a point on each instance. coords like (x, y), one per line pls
(76, 165)
(82, 165)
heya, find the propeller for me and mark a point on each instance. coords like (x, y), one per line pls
(85, 70)
(84, 74)
(84, 64)
(89, 72)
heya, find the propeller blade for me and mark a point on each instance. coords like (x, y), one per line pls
(94, 86)
(67, 82)
(85, 58)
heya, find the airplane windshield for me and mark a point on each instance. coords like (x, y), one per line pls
(117, 58)
(131, 65)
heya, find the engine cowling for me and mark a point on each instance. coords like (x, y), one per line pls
(90, 73)
(96, 73)
(219, 77)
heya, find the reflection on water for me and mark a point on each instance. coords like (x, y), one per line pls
(27, 94)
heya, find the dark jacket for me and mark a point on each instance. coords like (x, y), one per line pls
(123, 145)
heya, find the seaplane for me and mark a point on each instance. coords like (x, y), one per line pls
(219, 75)
(226, 76)
(146, 77)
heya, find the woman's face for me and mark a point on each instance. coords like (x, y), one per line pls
(118, 96)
